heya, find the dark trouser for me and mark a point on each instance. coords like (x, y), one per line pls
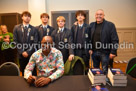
(111, 63)
(98, 57)
(23, 62)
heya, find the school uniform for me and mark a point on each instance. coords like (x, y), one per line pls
(61, 38)
(80, 35)
(25, 35)
(44, 31)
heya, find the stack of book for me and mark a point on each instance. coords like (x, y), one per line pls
(96, 76)
(117, 77)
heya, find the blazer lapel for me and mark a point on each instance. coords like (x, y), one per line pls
(29, 33)
(41, 32)
(48, 30)
(64, 33)
(21, 33)
(58, 34)
(83, 34)
(76, 27)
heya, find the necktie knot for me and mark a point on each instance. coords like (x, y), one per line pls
(25, 27)
(80, 27)
(61, 30)
(44, 28)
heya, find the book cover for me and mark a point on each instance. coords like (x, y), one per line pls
(116, 72)
(119, 74)
(97, 72)
(98, 87)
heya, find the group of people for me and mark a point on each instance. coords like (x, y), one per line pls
(82, 40)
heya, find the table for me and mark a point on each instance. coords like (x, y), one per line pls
(65, 83)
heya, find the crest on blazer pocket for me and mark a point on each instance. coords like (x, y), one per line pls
(86, 35)
(48, 30)
(32, 37)
(65, 40)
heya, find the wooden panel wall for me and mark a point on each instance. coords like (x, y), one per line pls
(127, 36)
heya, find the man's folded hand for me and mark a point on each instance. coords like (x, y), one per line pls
(42, 81)
(31, 79)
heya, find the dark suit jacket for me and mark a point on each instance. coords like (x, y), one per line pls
(85, 36)
(61, 42)
(108, 36)
(32, 38)
(41, 34)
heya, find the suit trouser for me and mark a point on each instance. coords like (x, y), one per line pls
(23, 62)
(111, 63)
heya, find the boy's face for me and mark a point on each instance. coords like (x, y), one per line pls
(60, 23)
(26, 18)
(44, 19)
(80, 17)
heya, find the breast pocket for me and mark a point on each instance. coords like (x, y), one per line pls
(65, 40)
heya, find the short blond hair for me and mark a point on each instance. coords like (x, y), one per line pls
(61, 18)
(1, 28)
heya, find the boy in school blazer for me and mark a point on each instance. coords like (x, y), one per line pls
(26, 36)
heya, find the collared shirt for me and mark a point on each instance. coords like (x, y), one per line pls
(50, 66)
(80, 25)
(61, 29)
(44, 26)
(26, 25)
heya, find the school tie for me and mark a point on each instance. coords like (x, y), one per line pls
(25, 34)
(80, 27)
(44, 31)
(61, 33)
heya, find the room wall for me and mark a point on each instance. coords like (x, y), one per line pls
(36, 7)
(121, 12)
(10, 6)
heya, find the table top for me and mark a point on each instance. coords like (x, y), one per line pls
(65, 83)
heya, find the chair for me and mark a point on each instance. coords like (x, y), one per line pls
(75, 67)
(131, 68)
(9, 69)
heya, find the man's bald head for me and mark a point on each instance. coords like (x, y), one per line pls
(100, 11)
(47, 39)
(99, 16)
(46, 44)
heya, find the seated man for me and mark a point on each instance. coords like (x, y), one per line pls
(49, 63)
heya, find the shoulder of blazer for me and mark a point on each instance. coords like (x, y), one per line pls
(66, 29)
(55, 31)
(85, 25)
(50, 27)
(18, 27)
(37, 27)
(73, 26)
(109, 23)
(32, 27)
(92, 24)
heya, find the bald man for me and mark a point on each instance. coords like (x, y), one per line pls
(104, 39)
(49, 63)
